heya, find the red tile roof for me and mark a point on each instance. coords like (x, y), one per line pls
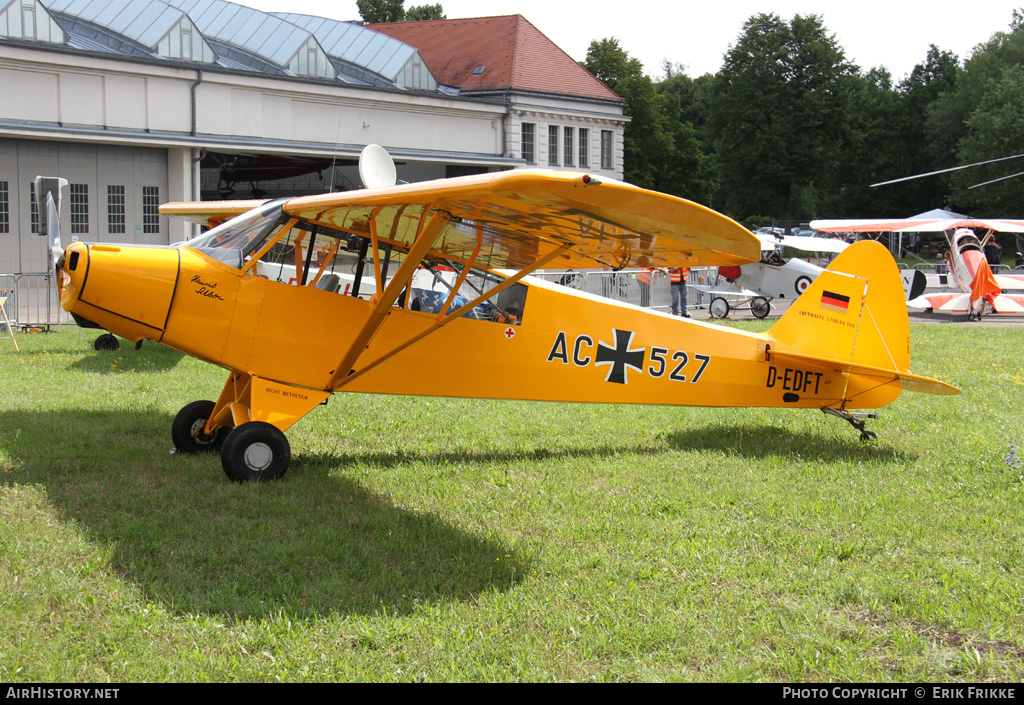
(514, 55)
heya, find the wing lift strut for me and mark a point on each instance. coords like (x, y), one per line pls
(381, 308)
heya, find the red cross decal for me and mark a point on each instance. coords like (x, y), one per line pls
(510, 332)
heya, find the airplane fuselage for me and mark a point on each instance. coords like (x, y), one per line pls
(569, 346)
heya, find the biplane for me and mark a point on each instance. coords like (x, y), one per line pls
(452, 310)
(754, 285)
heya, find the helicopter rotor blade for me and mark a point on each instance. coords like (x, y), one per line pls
(946, 171)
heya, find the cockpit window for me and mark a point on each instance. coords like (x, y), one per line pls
(232, 241)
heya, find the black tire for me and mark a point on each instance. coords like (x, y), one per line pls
(188, 426)
(718, 308)
(107, 342)
(801, 284)
(255, 451)
(760, 307)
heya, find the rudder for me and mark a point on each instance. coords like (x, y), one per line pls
(854, 312)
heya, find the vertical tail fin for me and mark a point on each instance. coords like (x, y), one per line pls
(853, 318)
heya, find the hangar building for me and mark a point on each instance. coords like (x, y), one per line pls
(140, 102)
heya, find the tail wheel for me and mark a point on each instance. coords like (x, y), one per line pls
(719, 307)
(255, 451)
(760, 307)
(188, 429)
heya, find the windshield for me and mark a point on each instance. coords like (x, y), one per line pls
(230, 242)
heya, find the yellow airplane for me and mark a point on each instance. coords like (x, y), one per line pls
(424, 289)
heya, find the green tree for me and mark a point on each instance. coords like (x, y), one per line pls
(873, 153)
(374, 11)
(990, 94)
(781, 116)
(659, 151)
(646, 141)
(418, 13)
(691, 171)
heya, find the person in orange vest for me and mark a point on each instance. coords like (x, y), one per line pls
(677, 279)
(645, 277)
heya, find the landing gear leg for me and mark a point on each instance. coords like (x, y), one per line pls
(855, 420)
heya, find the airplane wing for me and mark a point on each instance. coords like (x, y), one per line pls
(814, 244)
(866, 225)
(961, 303)
(1010, 281)
(517, 219)
(1000, 226)
(916, 225)
(208, 213)
(728, 291)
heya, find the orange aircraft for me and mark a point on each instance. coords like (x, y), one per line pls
(424, 289)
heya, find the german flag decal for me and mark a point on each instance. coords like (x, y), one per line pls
(838, 303)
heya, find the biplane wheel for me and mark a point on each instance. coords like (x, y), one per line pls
(255, 451)
(760, 307)
(188, 426)
(107, 341)
(866, 435)
(719, 307)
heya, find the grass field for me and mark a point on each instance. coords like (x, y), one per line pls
(497, 541)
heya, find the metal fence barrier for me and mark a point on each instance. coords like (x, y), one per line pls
(32, 301)
(628, 285)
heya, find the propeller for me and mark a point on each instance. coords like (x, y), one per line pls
(53, 230)
(47, 191)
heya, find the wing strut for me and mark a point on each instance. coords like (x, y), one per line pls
(441, 322)
(382, 302)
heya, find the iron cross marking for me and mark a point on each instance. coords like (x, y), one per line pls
(620, 357)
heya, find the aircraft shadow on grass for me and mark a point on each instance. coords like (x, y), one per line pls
(149, 358)
(761, 441)
(315, 545)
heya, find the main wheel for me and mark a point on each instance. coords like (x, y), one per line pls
(255, 451)
(719, 307)
(760, 307)
(107, 341)
(187, 429)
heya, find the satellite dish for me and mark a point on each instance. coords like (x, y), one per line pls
(376, 167)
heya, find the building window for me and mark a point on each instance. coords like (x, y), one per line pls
(606, 149)
(528, 142)
(79, 209)
(28, 21)
(33, 208)
(5, 209)
(553, 145)
(568, 146)
(584, 147)
(186, 44)
(115, 210)
(151, 209)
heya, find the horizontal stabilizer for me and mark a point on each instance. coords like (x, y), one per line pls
(902, 380)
